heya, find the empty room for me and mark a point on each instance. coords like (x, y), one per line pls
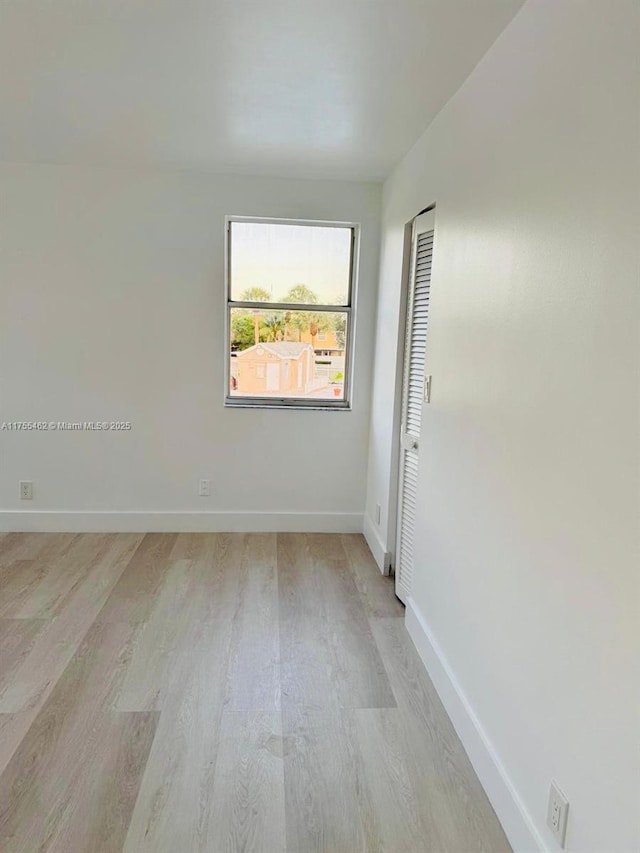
(319, 426)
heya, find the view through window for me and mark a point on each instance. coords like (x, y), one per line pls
(289, 312)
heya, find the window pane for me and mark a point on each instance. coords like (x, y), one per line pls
(280, 354)
(272, 262)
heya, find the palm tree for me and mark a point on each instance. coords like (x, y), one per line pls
(255, 294)
(287, 326)
(300, 293)
(299, 320)
(256, 325)
(274, 327)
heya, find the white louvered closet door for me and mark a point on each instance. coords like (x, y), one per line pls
(413, 395)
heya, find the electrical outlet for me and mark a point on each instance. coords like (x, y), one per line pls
(204, 491)
(557, 813)
(26, 490)
(377, 513)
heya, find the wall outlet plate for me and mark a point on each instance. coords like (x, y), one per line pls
(557, 813)
(204, 489)
(26, 490)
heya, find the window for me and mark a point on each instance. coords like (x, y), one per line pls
(290, 290)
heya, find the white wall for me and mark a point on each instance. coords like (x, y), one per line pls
(526, 576)
(113, 308)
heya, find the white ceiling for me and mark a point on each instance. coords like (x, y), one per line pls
(317, 88)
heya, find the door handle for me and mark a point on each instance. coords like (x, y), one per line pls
(413, 444)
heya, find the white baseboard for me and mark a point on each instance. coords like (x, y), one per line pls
(511, 811)
(170, 522)
(376, 546)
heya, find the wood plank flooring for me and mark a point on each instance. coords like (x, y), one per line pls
(220, 693)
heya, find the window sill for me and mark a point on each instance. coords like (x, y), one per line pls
(283, 405)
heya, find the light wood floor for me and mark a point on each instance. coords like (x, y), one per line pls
(178, 693)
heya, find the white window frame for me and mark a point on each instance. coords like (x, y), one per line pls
(314, 404)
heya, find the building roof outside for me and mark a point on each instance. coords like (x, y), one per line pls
(283, 349)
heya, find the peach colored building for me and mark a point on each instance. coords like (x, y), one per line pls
(282, 367)
(325, 341)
